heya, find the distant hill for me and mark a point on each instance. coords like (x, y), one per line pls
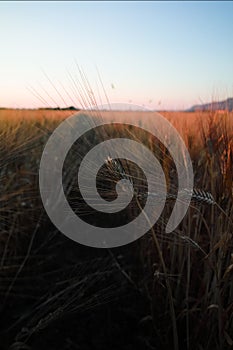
(226, 105)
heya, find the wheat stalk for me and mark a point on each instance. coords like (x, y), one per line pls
(116, 168)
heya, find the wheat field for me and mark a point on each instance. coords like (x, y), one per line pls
(174, 291)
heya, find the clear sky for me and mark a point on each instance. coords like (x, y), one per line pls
(160, 54)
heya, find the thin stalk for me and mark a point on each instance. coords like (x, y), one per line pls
(171, 304)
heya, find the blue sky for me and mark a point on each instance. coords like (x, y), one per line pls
(160, 54)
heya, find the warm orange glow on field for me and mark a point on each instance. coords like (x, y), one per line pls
(188, 124)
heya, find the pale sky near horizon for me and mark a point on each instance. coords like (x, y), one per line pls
(164, 55)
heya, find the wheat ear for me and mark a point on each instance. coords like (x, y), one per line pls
(116, 168)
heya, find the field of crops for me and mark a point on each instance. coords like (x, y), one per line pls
(163, 291)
